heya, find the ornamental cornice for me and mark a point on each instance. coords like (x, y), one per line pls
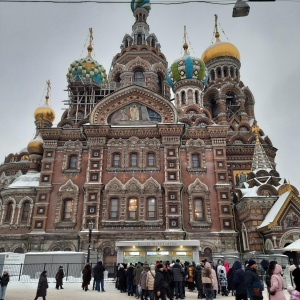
(254, 203)
(133, 94)
(93, 131)
(71, 135)
(96, 142)
(119, 132)
(240, 149)
(197, 133)
(219, 131)
(51, 134)
(222, 187)
(170, 129)
(187, 83)
(18, 193)
(50, 144)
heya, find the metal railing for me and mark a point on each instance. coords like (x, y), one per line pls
(31, 272)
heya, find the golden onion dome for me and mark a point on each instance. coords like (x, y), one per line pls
(219, 49)
(35, 146)
(44, 112)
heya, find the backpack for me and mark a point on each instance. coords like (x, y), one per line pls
(191, 273)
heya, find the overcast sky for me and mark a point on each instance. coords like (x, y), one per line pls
(38, 41)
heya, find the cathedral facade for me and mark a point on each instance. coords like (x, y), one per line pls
(156, 174)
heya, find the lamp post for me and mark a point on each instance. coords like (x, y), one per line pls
(91, 225)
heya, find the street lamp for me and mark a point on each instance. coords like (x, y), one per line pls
(241, 9)
(91, 225)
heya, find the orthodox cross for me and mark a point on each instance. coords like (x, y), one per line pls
(48, 90)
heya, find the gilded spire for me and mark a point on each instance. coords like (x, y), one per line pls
(217, 34)
(185, 45)
(260, 158)
(90, 47)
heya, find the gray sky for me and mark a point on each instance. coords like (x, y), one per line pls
(39, 41)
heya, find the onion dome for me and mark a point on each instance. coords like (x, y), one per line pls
(35, 146)
(44, 112)
(219, 49)
(87, 67)
(140, 3)
(187, 67)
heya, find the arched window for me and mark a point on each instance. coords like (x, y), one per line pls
(9, 211)
(195, 161)
(117, 78)
(132, 209)
(231, 72)
(160, 84)
(151, 208)
(183, 97)
(116, 162)
(67, 249)
(19, 250)
(73, 162)
(67, 210)
(219, 73)
(196, 97)
(25, 212)
(198, 210)
(151, 160)
(138, 77)
(212, 75)
(225, 70)
(133, 160)
(114, 208)
(139, 39)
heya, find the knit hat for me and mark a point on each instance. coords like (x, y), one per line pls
(177, 260)
(159, 266)
(251, 262)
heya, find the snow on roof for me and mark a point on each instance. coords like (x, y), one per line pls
(274, 210)
(27, 180)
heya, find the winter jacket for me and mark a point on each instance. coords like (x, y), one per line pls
(230, 279)
(222, 279)
(59, 276)
(191, 274)
(143, 279)
(130, 275)
(122, 279)
(42, 285)
(215, 280)
(252, 280)
(295, 295)
(198, 278)
(277, 284)
(4, 279)
(207, 276)
(98, 271)
(239, 281)
(159, 282)
(177, 272)
(137, 274)
(86, 275)
(150, 278)
(219, 268)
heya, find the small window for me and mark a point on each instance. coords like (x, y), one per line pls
(132, 209)
(139, 39)
(172, 196)
(151, 160)
(9, 210)
(67, 210)
(172, 176)
(151, 208)
(195, 161)
(73, 162)
(95, 153)
(198, 212)
(114, 209)
(173, 223)
(25, 212)
(183, 97)
(197, 97)
(133, 160)
(138, 76)
(92, 197)
(116, 160)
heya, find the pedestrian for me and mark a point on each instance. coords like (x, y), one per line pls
(239, 281)
(143, 282)
(42, 286)
(254, 285)
(223, 283)
(86, 276)
(98, 273)
(150, 281)
(129, 275)
(136, 279)
(178, 274)
(198, 281)
(4, 282)
(277, 285)
(215, 280)
(159, 283)
(191, 277)
(269, 274)
(59, 278)
(207, 281)
(122, 279)
(295, 291)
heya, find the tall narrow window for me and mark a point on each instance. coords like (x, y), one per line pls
(195, 161)
(116, 160)
(197, 97)
(114, 208)
(183, 97)
(25, 212)
(138, 77)
(67, 210)
(151, 160)
(132, 209)
(139, 39)
(73, 162)
(133, 160)
(9, 210)
(151, 208)
(198, 212)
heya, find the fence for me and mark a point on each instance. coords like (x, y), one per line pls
(31, 272)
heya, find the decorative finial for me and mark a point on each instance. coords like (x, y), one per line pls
(185, 45)
(217, 34)
(90, 47)
(255, 129)
(48, 90)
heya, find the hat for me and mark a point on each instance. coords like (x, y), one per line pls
(177, 260)
(251, 262)
(159, 266)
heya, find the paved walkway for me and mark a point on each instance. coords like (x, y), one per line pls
(73, 291)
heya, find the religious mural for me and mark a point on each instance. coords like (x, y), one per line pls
(291, 220)
(134, 112)
(240, 176)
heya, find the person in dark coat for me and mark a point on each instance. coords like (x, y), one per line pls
(59, 277)
(178, 275)
(122, 279)
(159, 283)
(254, 285)
(98, 273)
(130, 275)
(4, 282)
(42, 286)
(239, 281)
(86, 276)
(230, 275)
(198, 280)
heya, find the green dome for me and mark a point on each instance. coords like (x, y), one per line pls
(140, 3)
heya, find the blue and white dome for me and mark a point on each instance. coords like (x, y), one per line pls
(140, 3)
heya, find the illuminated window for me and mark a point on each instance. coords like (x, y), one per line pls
(198, 213)
(195, 161)
(116, 160)
(132, 209)
(151, 209)
(114, 209)
(67, 210)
